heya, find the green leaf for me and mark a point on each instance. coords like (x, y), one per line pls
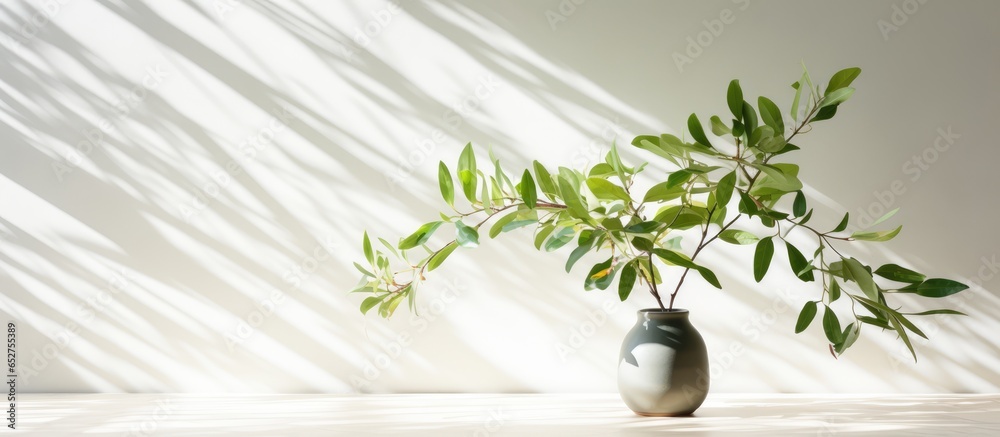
(825, 113)
(642, 244)
(806, 217)
(675, 258)
(677, 178)
(760, 133)
(780, 177)
(655, 145)
(389, 306)
(857, 272)
(771, 115)
(836, 97)
(544, 179)
(559, 239)
(939, 287)
(903, 336)
(799, 206)
(497, 192)
(528, 192)
(747, 205)
(709, 277)
(600, 276)
(543, 233)
(497, 227)
(369, 254)
(364, 271)
(800, 266)
(389, 246)
(371, 302)
(697, 132)
(738, 128)
(794, 111)
(884, 217)
(788, 148)
(467, 172)
(486, 198)
(831, 326)
(735, 98)
(896, 273)
(662, 192)
(908, 324)
(574, 203)
(806, 317)
(735, 236)
(718, 127)
(762, 258)
(772, 144)
(843, 223)
(835, 290)
(849, 336)
(517, 224)
(842, 78)
(606, 190)
(616, 163)
(681, 217)
(626, 282)
(643, 227)
(578, 253)
(467, 236)
(420, 236)
(749, 118)
(678, 259)
(446, 183)
(724, 191)
(602, 170)
(941, 311)
(440, 256)
(877, 235)
(884, 324)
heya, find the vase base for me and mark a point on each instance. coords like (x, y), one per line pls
(685, 414)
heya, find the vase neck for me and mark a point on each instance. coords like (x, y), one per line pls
(659, 315)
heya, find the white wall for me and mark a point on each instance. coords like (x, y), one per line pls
(124, 275)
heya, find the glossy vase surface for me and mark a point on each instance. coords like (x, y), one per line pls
(663, 366)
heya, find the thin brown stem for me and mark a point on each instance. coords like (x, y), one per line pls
(652, 286)
(539, 204)
(701, 245)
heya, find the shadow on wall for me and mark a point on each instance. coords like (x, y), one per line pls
(147, 296)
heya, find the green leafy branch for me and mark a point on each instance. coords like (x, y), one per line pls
(597, 207)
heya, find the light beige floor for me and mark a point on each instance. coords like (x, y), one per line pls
(500, 415)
